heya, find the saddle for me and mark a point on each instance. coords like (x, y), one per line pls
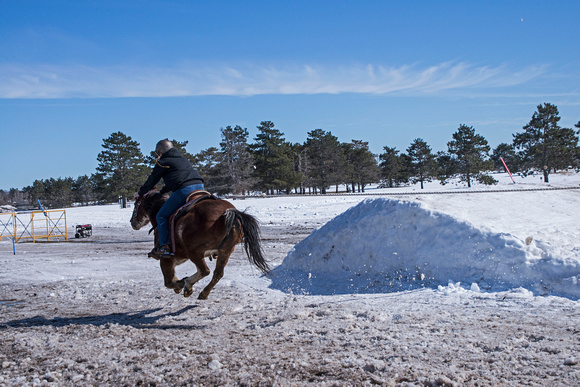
(192, 199)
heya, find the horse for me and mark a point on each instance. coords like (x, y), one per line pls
(209, 228)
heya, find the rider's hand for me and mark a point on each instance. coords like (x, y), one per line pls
(136, 196)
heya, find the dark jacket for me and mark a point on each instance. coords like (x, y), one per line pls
(176, 171)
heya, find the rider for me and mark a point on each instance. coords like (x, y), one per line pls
(179, 177)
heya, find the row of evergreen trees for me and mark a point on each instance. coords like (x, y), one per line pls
(273, 165)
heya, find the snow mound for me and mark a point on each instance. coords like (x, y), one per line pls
(383, 245)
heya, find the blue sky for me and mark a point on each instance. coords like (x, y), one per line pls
(386, 72)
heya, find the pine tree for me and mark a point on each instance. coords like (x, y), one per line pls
(59, 192)
(271, 154)
(121, 166)
(52, 193)
(393, 167)
(84, 190)
(35, 192)
(422, 161)
(235, 167)
(447, 167)
(471, 152)
(206, 163)
(362, 167)
(325, 158)
(565, 149)
(544, 145)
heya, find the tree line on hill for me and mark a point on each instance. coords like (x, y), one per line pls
(273, 165)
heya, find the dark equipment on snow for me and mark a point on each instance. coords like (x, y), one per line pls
(83, 230)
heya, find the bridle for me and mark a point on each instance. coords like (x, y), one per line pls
(135, 217)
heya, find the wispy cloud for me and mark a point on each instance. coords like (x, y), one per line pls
(76, 81)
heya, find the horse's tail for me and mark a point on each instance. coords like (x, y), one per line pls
(251, 229)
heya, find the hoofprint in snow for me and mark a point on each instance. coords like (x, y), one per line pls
(455, 289)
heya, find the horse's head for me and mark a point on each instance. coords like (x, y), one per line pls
(140, 217)
(146, 208)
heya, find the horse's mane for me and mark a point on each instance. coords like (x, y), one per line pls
(154, 201)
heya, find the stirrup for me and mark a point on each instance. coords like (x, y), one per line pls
(161, 252)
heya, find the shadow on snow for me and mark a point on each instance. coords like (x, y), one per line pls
(145, 319)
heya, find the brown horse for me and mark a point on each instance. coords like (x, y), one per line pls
(210, 228)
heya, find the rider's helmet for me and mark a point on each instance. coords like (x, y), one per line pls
(163, 146)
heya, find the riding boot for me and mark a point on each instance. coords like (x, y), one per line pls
(161, 252)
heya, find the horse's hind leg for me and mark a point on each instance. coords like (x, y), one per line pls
(218, 273)
(202, 271)
(168, 270)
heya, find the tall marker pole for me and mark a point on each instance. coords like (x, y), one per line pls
(44, 212)
(507, 169)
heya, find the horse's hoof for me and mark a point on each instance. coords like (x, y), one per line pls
(179, 285)
(187, 292)
(202, 296)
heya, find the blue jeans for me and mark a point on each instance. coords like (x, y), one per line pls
(176, 200)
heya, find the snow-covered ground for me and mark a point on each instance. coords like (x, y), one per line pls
(409, 288)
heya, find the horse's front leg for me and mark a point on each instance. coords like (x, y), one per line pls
(202, 271)
(169, 277)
